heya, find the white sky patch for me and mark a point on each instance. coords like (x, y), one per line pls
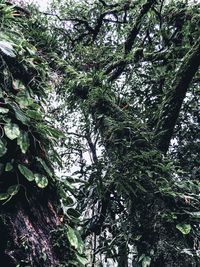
(42, 4)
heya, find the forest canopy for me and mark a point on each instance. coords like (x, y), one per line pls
(99, 133)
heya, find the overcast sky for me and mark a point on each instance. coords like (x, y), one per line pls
(44, 3)
(41, 3)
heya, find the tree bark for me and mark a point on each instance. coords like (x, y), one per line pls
(29, 218)
(175, 96)
(27, 224)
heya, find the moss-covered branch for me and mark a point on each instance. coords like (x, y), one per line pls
(174, 97)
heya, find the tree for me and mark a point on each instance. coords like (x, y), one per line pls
(126, 77)
(130, 72)
(32, 228)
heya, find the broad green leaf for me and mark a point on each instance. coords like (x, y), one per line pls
(184, 228)
(67, 201)
(34, 114)
(28, 174)
(55, 133)
(81, 246)
(8, 167)
(24, 101)
(46, 168)
(41, 180)
(13, 190)
(12, 130)
(20, 115)
(3, 148)
(4, 196)
(4, 110)
(47, 130)
(81, 259)
(7, 48)
(23, 142)
(72, 237)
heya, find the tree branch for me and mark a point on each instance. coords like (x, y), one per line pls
(136, 28)
(131, 39)
(174, 98)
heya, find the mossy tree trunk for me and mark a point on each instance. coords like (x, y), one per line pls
(28, 223)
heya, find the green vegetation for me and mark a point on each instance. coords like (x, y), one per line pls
(106, 92)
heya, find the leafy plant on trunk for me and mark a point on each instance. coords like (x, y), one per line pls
(34, 230)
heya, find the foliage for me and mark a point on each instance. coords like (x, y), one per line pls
(118, 73)
(22, 86)
(27, 138)
(126, 82)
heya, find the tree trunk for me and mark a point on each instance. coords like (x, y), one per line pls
(160, 242)
(175, 96)
(27, 224)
